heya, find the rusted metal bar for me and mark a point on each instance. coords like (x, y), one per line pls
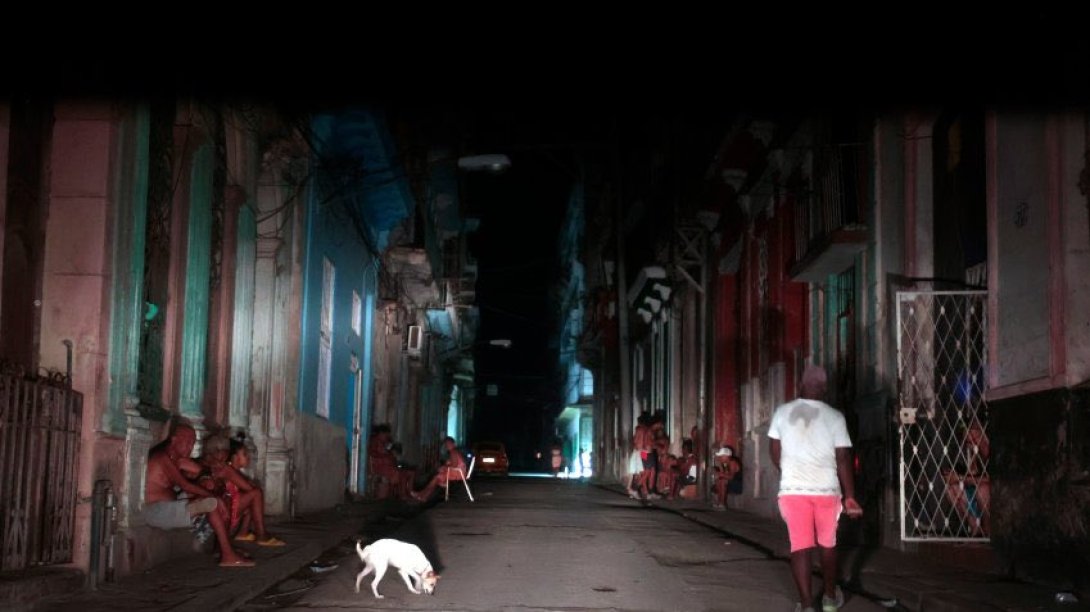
(40, 419)
(15, 538)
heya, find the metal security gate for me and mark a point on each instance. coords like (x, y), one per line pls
(39, 452)
(944, 449)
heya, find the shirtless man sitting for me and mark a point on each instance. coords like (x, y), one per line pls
(165, 510)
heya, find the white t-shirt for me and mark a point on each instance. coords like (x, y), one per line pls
(809, 432)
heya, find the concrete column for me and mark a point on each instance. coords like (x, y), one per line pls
(242, 167)
(919, 195)
(278, 462)
(138, 442)
(242, 333)
(198, 256)
(76, 275)
(129, 235)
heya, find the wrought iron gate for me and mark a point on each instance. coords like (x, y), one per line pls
(944, 450)
(39, 453)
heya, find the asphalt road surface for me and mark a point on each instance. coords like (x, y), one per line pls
(542, 544)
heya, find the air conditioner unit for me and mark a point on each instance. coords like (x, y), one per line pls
(415, 340)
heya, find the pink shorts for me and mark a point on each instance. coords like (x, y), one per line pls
(811, 519)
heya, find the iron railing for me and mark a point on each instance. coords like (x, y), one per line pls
(40, 419)
(837, 201)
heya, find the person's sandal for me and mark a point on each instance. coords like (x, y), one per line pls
(239, 563)
(249, 537)
(271, 541)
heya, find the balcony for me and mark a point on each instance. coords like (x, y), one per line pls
(413, 270)
(830, 221)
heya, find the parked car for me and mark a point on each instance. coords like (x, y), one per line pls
(491, 458)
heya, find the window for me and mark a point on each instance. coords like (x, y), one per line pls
(844, 332)
(587, 384)
(325, 351)
(357, 313)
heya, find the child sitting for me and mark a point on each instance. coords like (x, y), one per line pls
(728, 471)
(244, 499)
(686, 472)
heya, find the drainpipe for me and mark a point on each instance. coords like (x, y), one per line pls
(68, 365)
(102, 515)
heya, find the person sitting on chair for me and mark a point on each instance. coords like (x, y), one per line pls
(382, 462)
(455, 461)
(968, 486)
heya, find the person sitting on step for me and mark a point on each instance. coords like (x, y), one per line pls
(172, 500)
(245, 501)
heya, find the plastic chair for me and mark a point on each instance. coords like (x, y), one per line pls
(458, 474)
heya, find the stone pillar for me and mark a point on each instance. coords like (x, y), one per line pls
(278, 462)
(129, 235)
(271, 341)
(261, 347)
(138, 442)
(198, 255)
(242, 335)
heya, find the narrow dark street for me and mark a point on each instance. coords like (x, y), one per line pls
(544, 544)
(671, 310)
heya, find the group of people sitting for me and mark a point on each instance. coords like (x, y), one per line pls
(210, 494)
(657, 473)
(395, 479)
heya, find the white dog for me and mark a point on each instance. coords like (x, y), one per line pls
(407, 558)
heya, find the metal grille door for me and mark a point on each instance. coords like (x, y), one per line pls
(40, 420)
(944, 449)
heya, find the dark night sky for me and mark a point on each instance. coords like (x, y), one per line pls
(516, 248)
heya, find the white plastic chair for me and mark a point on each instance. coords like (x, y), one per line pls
(463, 476)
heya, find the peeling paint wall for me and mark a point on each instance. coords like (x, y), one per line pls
(1041, 485)
(1076, 247)
(1021, 221)
(321, 463)
(77, 272)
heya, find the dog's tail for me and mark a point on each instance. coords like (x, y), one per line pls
(362, 551)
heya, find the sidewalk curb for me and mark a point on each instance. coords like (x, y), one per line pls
(238, 592)
(908, 598)
(317, 533)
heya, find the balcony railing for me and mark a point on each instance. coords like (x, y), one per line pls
(830, 220)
